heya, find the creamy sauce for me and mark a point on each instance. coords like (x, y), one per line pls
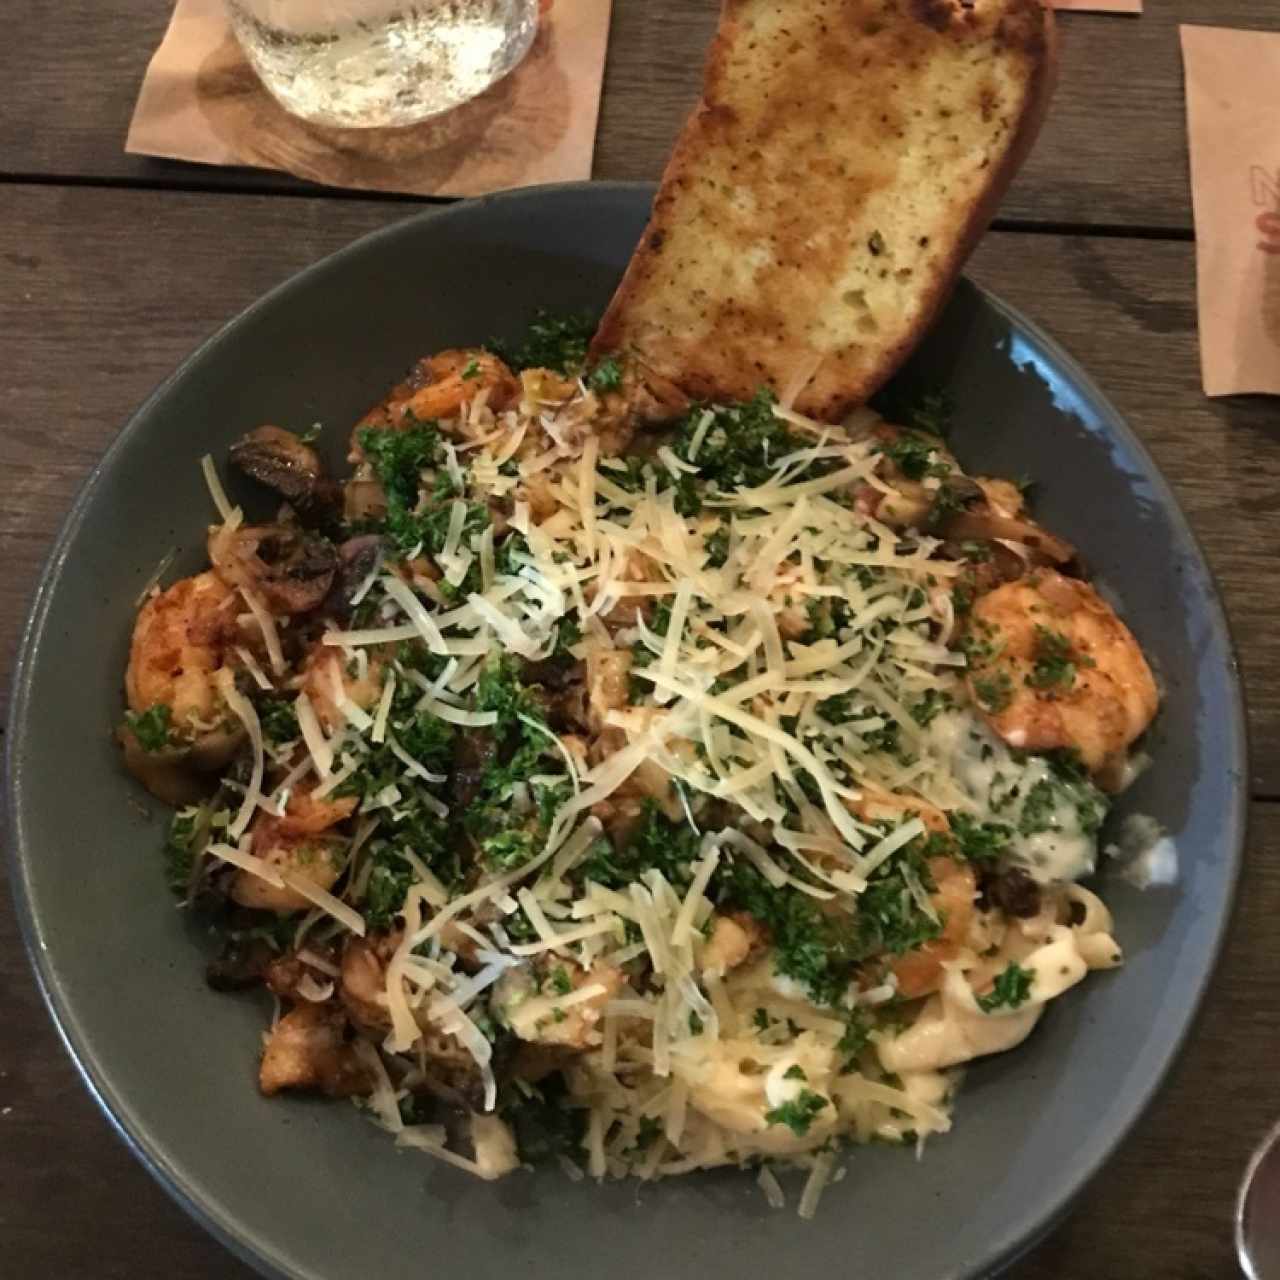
(1054, 822)
(1147, 856)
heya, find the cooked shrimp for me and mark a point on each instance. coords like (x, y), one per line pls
(304, 815)
(311, 855)
(438, 386)
(180, 641)
(307, 1049)
(1052, 667)
(921, 971)
(457, 378)
(325, 670)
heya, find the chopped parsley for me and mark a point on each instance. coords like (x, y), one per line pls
(1040, 809)
(389, 881)
(915, 456)
(471, 371)
(934, 700)
(739, 449)
(979, 841)
(151, 727)
(509, 849)
(1012, 988)
(994, 692)
(514, 752)
(823, 950)
(933, 413)
(543, 1121)
(278, 719)
(655, 842)
(798, 1114)
(856, 1037)
(413, 821)
(399, 459)
(981, 643)
(717, 546)
(1068, 764)
(183, 847)
(951, 498)
(606, 376)
(1054, 670)
(556, 342)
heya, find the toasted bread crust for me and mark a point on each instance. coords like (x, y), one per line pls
(843, 161)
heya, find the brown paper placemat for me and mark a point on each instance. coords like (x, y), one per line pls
(201, 101)
(1233, 118)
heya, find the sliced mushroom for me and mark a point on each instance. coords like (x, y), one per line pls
(363, 500)
(293, 569)
(984, 525)
(357, 559)
(280, 460)
(241, 964)
(954, 496)
(473, 753)
(1013, 891)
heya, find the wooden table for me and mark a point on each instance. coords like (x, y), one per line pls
(112, 267)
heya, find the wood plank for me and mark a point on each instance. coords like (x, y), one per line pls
(1113, 151)
(76, 1204)
(102, 293)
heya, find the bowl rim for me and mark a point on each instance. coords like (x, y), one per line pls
(1020, 1236)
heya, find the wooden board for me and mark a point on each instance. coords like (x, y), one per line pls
(1112, 154)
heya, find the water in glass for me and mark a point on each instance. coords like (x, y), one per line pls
(362, 64)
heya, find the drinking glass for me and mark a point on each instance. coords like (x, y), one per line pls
(364, 64)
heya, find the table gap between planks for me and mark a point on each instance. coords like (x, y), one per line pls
(113, 267)
(1112, 153)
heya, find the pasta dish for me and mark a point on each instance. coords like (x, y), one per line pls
(644, 797)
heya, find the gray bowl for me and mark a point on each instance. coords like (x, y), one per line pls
(310, 1189)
